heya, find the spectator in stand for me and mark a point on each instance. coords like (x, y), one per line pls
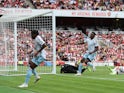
(14, 4)
(102, 5)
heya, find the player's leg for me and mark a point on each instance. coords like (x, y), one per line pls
(116, 68)
(33, 70)
(90, 58)
(114, 71)
(32, 66)
(37, 77)
(29, 72)
(80, 66)
(38, 60)
(35, 73)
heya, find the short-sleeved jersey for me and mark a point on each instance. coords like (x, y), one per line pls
(38, 42)
(92, 43)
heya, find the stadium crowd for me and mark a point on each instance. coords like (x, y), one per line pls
(13, 4)
(69, 46)
(110, 5)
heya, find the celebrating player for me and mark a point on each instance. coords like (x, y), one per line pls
(90, 54)
(38, 57)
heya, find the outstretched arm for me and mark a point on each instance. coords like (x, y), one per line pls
(84, 31)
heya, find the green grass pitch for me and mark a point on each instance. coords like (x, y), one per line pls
(99, 81)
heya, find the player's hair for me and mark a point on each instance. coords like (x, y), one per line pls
(35, 32)
(1, 15)
(94, 33)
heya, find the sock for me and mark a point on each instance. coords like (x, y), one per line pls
(34, 72)
(109, 68)
(29, 73)
(80, 67)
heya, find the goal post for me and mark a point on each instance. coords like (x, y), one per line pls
(15, 41)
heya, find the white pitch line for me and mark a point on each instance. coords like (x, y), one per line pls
(109, 79)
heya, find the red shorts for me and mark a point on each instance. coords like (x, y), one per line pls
(117, 64)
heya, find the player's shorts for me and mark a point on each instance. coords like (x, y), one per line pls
(38, 60)
(117, 64)
(89, 56)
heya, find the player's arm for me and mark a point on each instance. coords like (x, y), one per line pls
(84, 31)
(42, 47)
(29, 51)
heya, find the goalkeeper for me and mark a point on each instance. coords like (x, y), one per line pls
(90, 54)
(39, 55)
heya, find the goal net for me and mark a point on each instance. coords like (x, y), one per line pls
(15, 41)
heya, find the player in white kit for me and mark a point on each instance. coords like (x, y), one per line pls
(39, 55)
